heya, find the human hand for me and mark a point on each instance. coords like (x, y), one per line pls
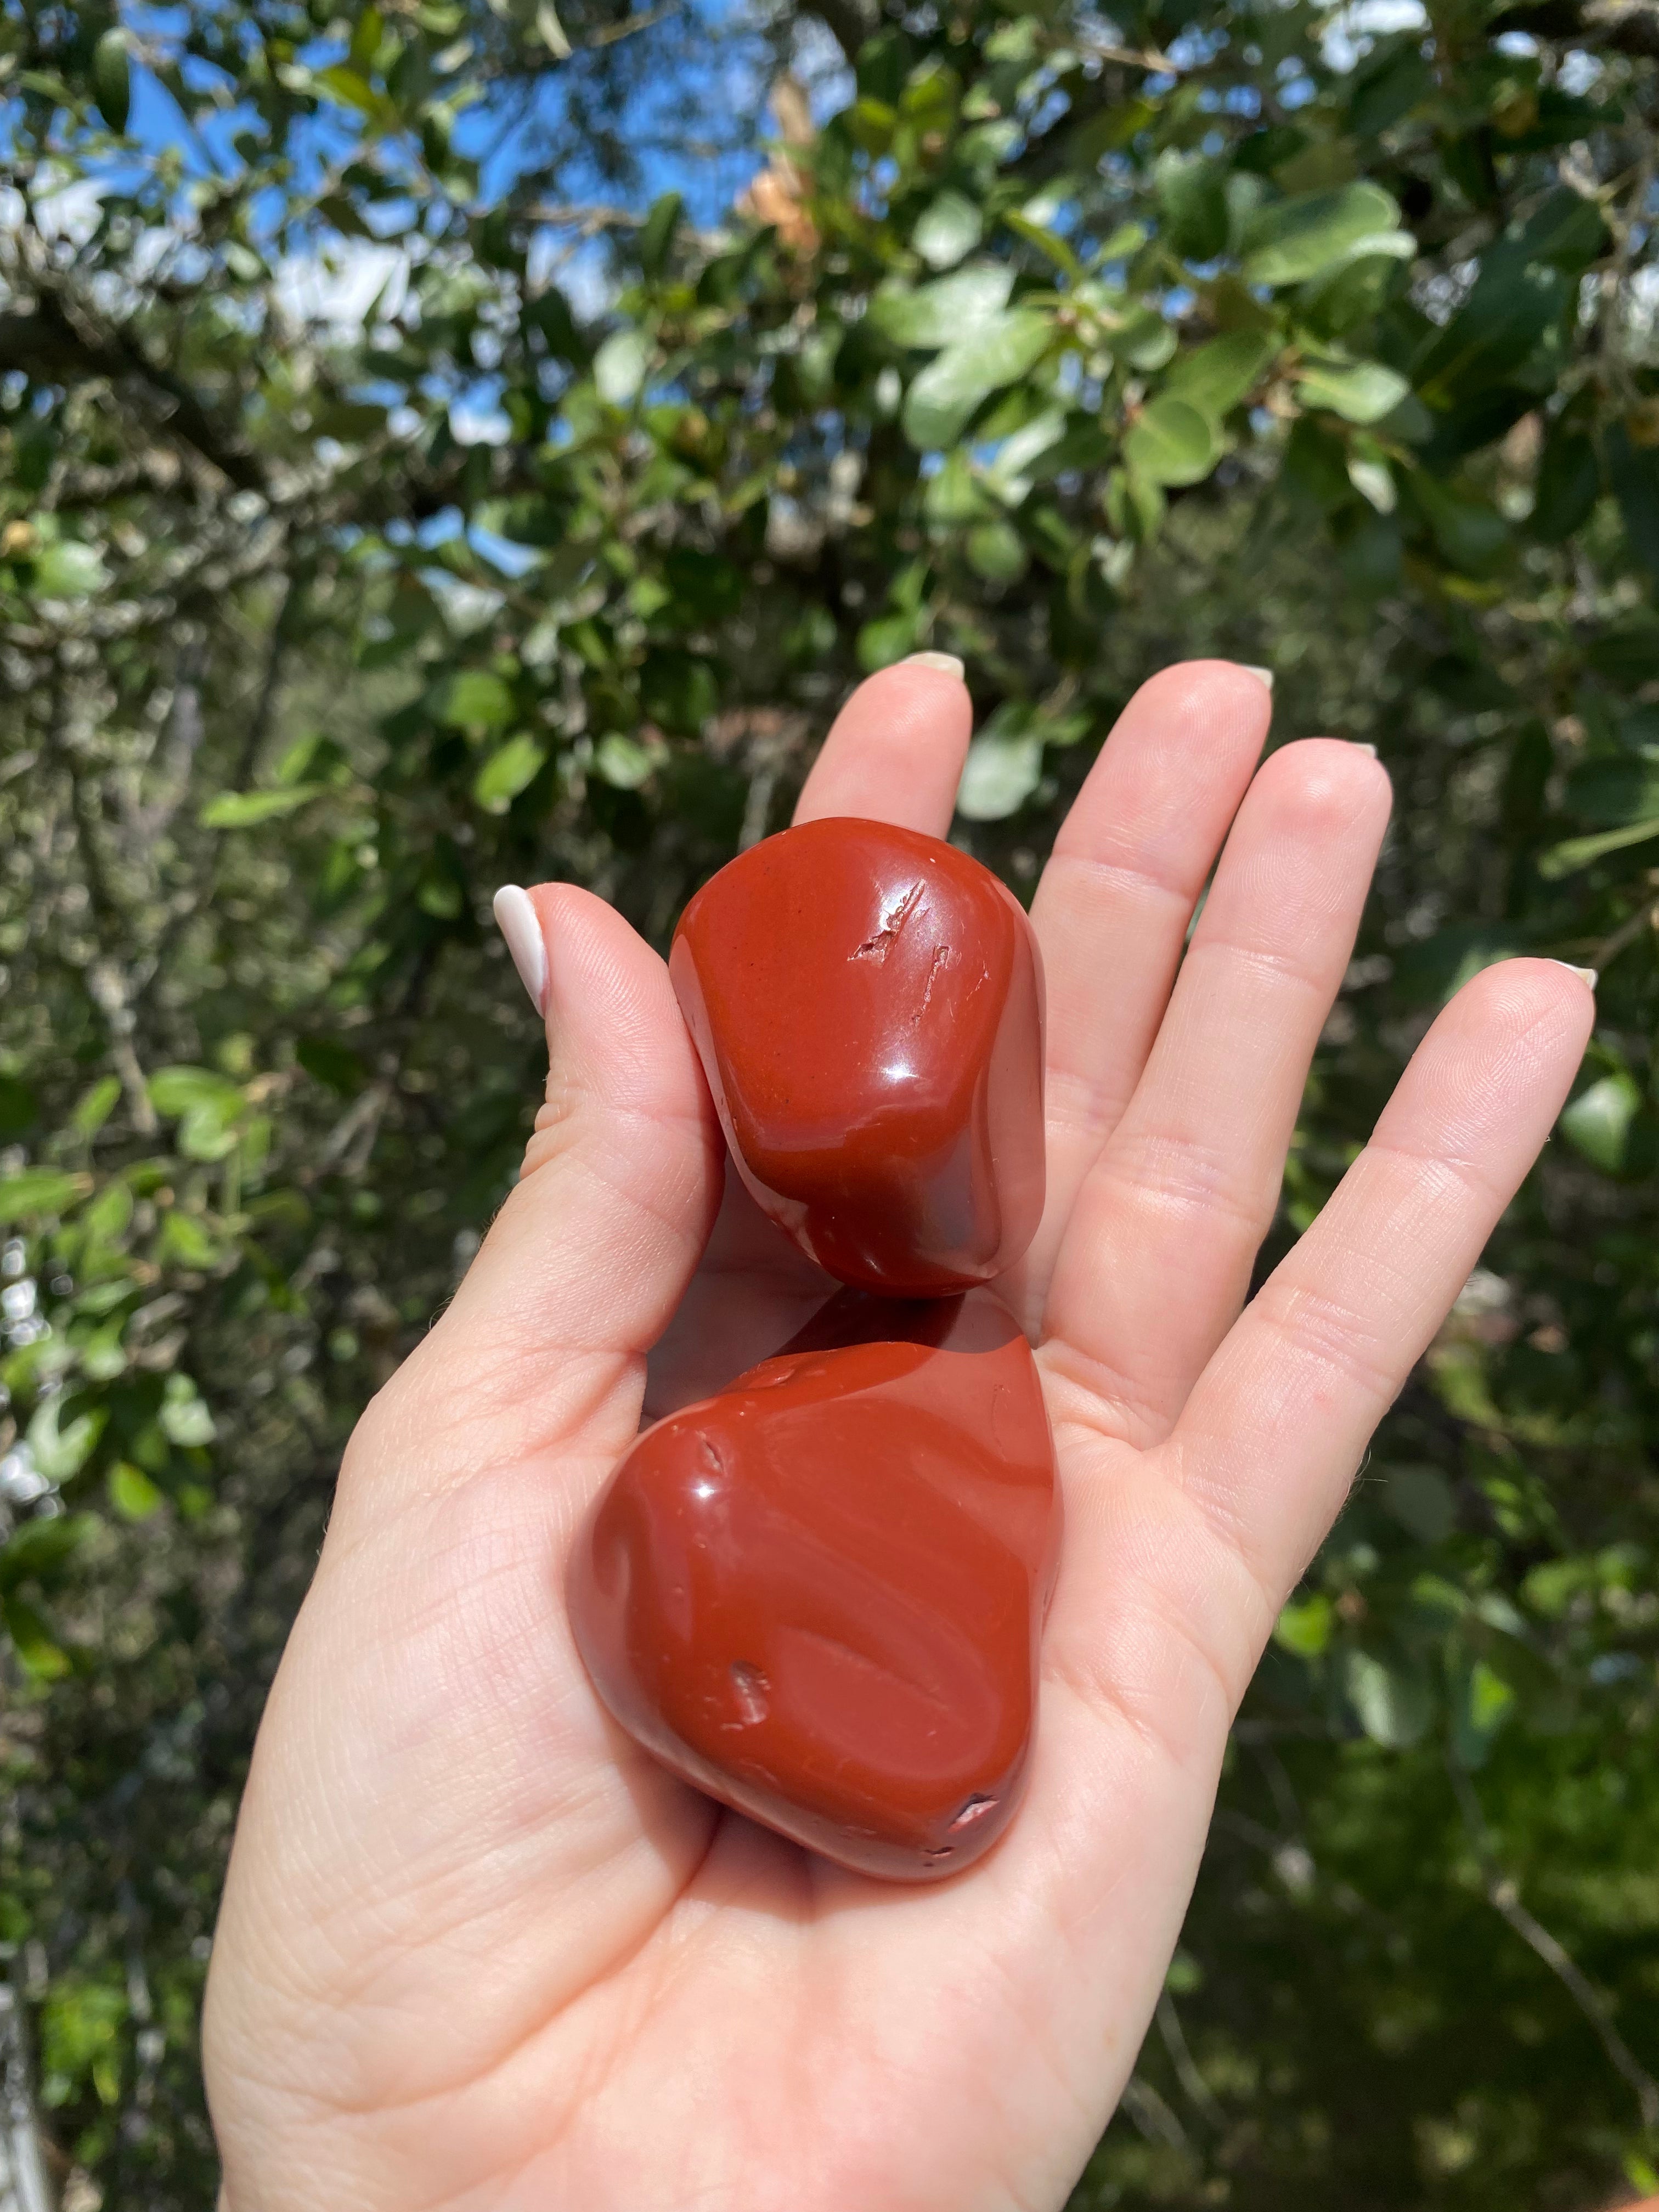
(477, 1953)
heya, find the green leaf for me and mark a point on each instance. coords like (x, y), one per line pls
(112, 79)
(40, 1191)
(620, 367)
(1214, 377)
(185, 1417)
(39, 1655)
(1304, 1626)
(1512, 304)
(60, 1452)
(1394, 1704)
(885, 641)
(939, 314)
(1359, 391)
(109, 1214)
(132, 1492)
(332, 1063)
(1356, 286)
(366, 37)
(1144, 340)
(943, 398)
(657, 232)
(1001, 774)
(346, 88)
(1468, 535)
(624, 762)
(1483, 1701)
(1566, 860)
(1049, 243)
(1598, 1121)
(997, 551)
(1608, 793)
(1191, 191)
(475, 699)
(184, 1242)
(1420, 1499)
(68, 570)
(95, 1107)
(946, 230)
(1568, 484)
(1633, 472)
(1386, 85)
(508, 772)
(178, 1091)
(40, 1550)
(1169, 442)
(206, 1133)
(1287, 242)
(242, 810)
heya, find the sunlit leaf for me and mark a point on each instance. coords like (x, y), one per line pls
(949, 227)
(1001, 774)
(939, 404)
(244, 809)
(1598, 1121)
(31, 1191)
(935, 315)
(508, 772)
(1169, 442)
(1359, 391)
(1290, 240)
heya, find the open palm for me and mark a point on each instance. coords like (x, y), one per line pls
(477, 1953)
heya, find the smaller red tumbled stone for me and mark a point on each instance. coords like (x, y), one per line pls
(819, 1595)
(868, 1004)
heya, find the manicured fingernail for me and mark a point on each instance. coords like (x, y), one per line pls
(1585, 974)
(1360, 748)
(946, 663)
(520, 925)
(1266, 674)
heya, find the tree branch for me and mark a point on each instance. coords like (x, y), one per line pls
(849, 23)
(61, 340)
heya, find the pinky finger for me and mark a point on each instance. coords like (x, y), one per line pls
(1272, 1433)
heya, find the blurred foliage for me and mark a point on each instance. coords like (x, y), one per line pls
(1321, 338)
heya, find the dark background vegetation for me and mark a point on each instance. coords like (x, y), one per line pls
(425, 463)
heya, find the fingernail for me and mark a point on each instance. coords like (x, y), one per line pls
(520, 925)
(1584, 974)
(1360, 748)
(1265, 674)
(946, 663)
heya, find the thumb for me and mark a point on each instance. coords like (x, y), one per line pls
(543, 1346)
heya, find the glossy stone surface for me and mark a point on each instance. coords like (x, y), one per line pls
(819, 1596)
(868, 1003)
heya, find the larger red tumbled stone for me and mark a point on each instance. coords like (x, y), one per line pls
(868, 1003)
(819, 1595)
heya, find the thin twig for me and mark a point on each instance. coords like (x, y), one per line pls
(1152, 2114)
(1197, 2089)
(1143, 57)
(614, 32)
(1645, 917)
(1503, 1894)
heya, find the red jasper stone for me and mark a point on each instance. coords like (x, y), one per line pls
(868, 1006)
(819, 1596)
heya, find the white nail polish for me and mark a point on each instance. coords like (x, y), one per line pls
(946, 663)
(1265, 674)
(1584, 974)
(520, 925)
